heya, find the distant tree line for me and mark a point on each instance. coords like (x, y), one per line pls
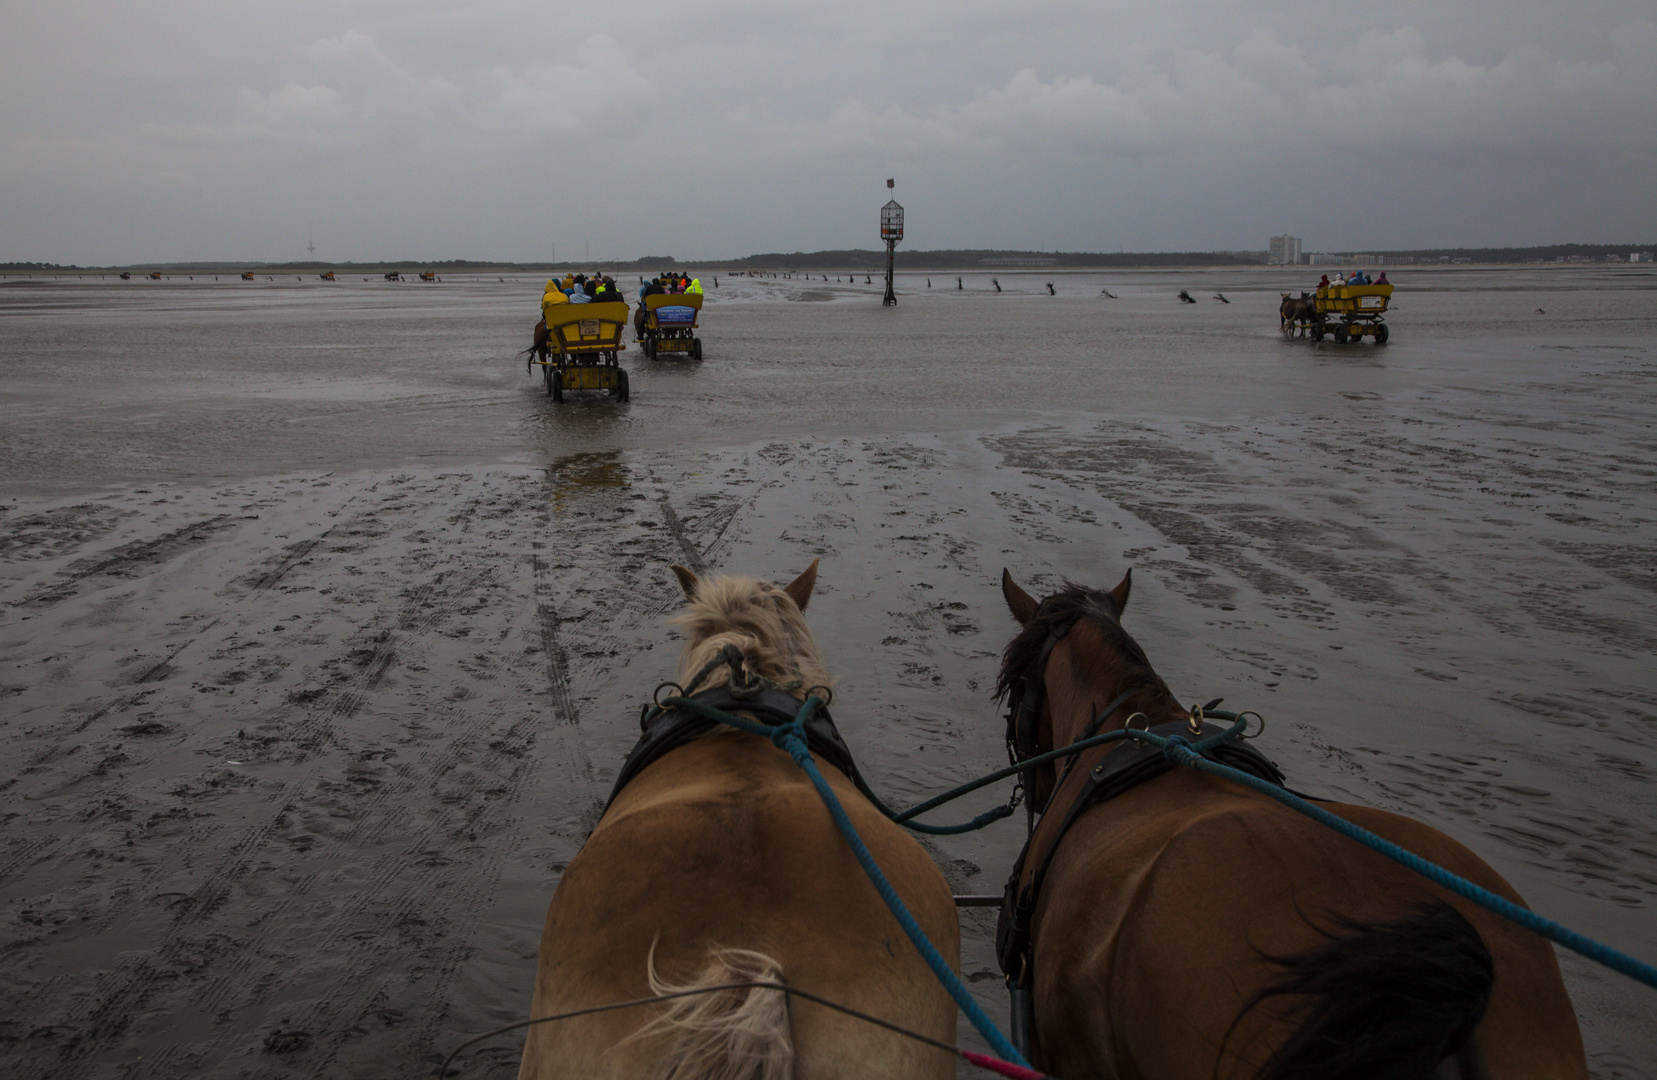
(857, 259)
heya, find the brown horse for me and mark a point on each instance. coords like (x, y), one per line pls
(1189, 928)
(1293, 314)
(542, 346)
(719, 863)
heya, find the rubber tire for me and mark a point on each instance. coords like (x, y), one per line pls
(1340, 335)
(696, 349)
(650, 348)
(555, 385)
(1381, 334)
(622, 391)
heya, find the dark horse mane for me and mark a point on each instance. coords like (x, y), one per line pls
(1064, 608)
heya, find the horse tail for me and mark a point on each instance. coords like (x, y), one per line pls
(1381, 1001)
(725, 1034)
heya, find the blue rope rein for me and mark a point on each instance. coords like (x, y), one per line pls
(791, 738)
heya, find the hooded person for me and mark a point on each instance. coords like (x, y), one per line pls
(695, 286)
(551, 300)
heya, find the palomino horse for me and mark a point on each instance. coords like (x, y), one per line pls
(718, 863)
(1293, 314)
(1189, 928)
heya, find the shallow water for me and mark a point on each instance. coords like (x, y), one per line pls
(324, 632)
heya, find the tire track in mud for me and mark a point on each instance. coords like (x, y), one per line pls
(57, 750)
(693, 556)
(163, 668)
(293, 556)
(154, 551)
(557, 662)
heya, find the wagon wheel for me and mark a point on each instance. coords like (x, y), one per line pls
(1340, 334)
(650, 348)
(1381, 334)
(622, 391)
(555, 385)
(696, 349)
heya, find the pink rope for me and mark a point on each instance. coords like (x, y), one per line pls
(1005, 1068)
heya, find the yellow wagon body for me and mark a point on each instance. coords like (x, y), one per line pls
(582, 346)
(1352, 312)
(669, 324)
(1354, 299)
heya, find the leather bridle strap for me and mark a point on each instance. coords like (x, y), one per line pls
(1091, 730)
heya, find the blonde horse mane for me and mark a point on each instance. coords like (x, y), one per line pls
(764, 622)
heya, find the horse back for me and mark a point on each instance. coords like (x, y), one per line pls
(1164, 907)
(724, 843)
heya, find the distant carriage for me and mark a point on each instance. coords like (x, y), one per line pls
(1351, 313)
(667, 325)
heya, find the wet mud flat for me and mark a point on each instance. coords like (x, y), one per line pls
(293, 759)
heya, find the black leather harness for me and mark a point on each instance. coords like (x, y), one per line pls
(674, 728)
(1118, 769)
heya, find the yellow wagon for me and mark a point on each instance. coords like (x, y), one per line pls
(578, 346)
(668, 326)
(1351, 313)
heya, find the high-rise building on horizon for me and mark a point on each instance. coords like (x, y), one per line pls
(1284, 250)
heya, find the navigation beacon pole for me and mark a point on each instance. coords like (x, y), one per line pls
(891, 231)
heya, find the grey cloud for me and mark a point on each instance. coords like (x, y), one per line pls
(497, 130)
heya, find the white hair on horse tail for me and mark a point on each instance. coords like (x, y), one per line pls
(727, 1034)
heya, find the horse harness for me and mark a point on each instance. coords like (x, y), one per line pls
(1093, 776)
(675, 727)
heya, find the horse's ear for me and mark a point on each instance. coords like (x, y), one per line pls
(1119, 595)
(687, 580)
(1020, 603)
(799, 590)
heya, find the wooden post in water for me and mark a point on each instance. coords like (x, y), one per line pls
(891, 231)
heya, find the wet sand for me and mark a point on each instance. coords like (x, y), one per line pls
(323, 633)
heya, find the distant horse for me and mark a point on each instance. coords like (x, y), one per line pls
(717, 862)
(1189, 928)
(542, 347)
(1293, 314)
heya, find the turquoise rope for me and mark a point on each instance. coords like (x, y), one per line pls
(1180, 750)
(791, 738)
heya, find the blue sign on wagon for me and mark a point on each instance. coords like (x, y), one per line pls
(675, 315)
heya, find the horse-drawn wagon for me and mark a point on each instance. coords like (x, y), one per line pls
(577, 346)
(667, 325)
(1351, 312)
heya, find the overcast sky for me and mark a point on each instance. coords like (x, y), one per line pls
(497, 129)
